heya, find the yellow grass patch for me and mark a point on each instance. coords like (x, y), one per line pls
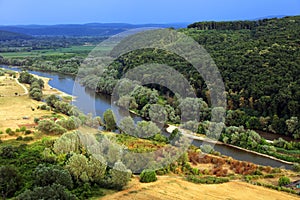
(9, 87)
(168, 188)
(20, 110)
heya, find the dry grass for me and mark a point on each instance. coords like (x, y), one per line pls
(13, 108)
(175, 188)
(8, 87)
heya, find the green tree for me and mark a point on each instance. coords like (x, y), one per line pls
(127, 125)
(67, 143)
(148, 176)
(283, 181)
(109, 120)
(54, 191)
(120, 175)
(146, 129)
(48, 175)
(10, 181)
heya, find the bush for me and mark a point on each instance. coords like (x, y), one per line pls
(206, 148)
(27, 139)
(36, 120)
(257, 172)
(19, 138)
(27, 132)
(8, 130)
(296, 167)
(23, 129)
(276, 170)
(43, 107)
(284, 181)
(269, 176)
(148, 176)
(48, 127)
(207, 180)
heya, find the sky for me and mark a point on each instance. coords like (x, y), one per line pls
(19, 12)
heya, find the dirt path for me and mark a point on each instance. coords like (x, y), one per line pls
(23, 86)
(167, 188)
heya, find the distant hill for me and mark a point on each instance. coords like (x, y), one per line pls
(91, 29)
(7, 35)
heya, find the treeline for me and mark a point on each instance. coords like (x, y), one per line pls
(66, 64)
(231, 25)
(36, 85)
(7, 35)
(14, 42)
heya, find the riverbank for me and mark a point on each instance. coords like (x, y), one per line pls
(49, 90)
(193, 136)
(88, 102)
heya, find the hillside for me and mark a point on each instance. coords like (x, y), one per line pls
(259, 62)
(7, 35)
(175, 188)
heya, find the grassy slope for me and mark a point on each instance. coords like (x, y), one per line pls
(169, 188)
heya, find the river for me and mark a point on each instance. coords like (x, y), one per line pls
(85, 98)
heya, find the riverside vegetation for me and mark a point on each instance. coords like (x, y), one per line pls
(260, 71)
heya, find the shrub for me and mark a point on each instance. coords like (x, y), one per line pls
(206, 148)
(48, 126)
(296, 167)
(284, 181)
(8, 130)
(27, 139)
(276, 170)
(23, 129)
(36, 120)
(269, 176)
(43, 107)
(19, 138)
(207, 180)
(257, 172)
(27, 132)
(148, 176)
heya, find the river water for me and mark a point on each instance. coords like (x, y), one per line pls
(88, 102)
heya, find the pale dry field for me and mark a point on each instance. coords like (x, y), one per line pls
(167, 188)
(13, 108)
(9, 86)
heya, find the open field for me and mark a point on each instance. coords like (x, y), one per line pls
(74, 50)
(14, 109)
(9, 87)
(19, 110)
(176, 188)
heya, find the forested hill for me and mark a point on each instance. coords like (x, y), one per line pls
(260, 64)
(258, 60)
(7, 35)
(248, 24)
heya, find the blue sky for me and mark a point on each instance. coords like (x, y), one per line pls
(139, 11)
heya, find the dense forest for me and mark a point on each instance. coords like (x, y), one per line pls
(258, 60)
